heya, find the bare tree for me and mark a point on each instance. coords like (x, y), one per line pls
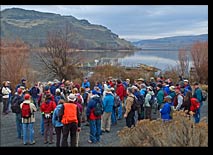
(58, 57)
(199, 53)
(14, 61)
(183, 62)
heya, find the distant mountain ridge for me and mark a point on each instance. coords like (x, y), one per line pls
(176, 42)
(32, 27)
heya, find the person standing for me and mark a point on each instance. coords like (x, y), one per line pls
(129, 113)
(69, 115)
(108, 102)
(5, 96)
(58, 125)
(94, 121)
(198, 95)
(28, 122)
(47, 109)
(17, 100)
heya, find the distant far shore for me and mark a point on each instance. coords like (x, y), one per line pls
(91, 50)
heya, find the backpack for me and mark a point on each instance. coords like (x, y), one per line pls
(98, 110)
(15, 106)
(195, 104)
(136, 104)
(204, 96)
(25, 110)
(85, 97)
(152, 100)
(117, 101)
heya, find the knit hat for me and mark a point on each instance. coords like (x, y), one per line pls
(19, 90)
(27, 96)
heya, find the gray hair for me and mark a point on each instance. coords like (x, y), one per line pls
(129, 89)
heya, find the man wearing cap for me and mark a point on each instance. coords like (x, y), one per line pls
(34, 91)
(27, 123)
(178, 100)
(187, 87)
(69, 115)
(198, 95)
(166, 109)
(85, 83)
(94, 121)
(23, 84)
(160, 96)
(18, 98)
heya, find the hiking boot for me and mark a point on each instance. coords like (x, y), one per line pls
(51, 142)
(32, 143)
(107, 131)
(45, 142)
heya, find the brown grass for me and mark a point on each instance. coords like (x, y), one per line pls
(180, 132)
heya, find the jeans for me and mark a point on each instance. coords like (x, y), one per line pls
(120, 112)
(197, 114)
(113, 117)
(95, 130)
(28, 127)
(42, 125)
(35, 101)
(19, 125)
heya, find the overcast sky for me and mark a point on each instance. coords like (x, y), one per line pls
(136, 22)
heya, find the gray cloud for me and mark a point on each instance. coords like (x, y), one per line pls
(135, 22)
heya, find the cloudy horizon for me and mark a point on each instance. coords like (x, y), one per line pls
(136, 22)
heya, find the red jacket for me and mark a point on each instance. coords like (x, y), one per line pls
(195, 104)
(120, 91)
(48, 107)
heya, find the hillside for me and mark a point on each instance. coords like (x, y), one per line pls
(170, 42)
(32, 27)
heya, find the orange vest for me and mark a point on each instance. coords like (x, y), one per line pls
(70, 113)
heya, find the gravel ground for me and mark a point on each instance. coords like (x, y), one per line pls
(8, 132)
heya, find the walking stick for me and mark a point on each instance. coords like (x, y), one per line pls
(77, 138)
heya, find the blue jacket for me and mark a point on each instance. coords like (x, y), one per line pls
(198, 94)
(108, 102)
(55, 121)
(186, 89)
(94, 99)
(85, 84)
(165, 111)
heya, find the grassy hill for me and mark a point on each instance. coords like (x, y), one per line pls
(171, 42)
(33, 26)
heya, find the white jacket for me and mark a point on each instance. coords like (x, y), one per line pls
(5, 91)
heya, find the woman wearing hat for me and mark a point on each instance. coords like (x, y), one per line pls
(166, 111)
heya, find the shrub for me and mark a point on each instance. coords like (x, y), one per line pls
(180, 132)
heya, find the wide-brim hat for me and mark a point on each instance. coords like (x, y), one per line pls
(71, 97)
(172, 88)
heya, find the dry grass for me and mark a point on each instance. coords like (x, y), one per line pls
(180, 132)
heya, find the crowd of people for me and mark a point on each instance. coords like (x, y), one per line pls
(64, 106)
